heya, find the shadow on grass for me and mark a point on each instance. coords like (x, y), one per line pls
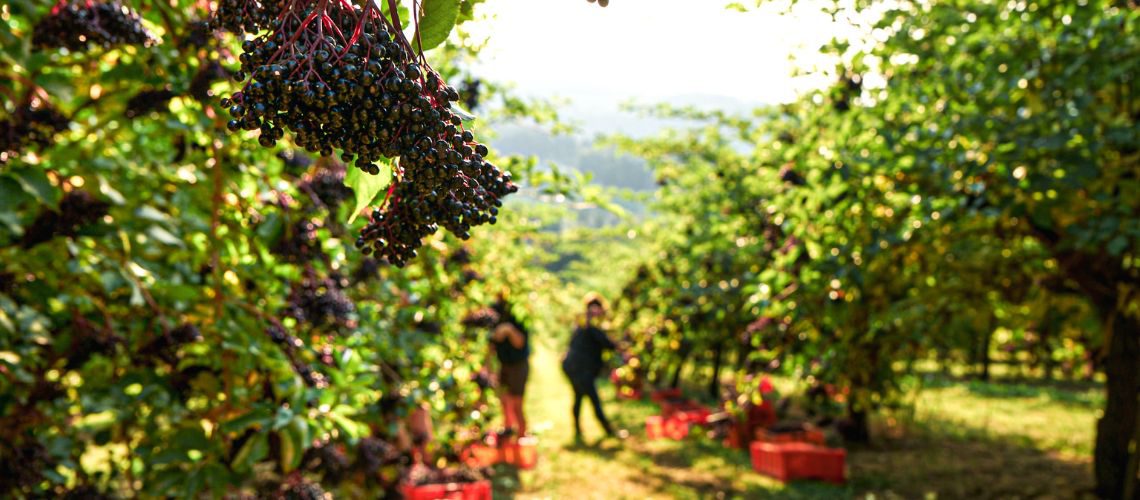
(951, 461)
(505, 482)
(701, 453)
(1078, 394)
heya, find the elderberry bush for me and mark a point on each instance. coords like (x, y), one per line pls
(31, 125)
(341, 78)
(77, 24)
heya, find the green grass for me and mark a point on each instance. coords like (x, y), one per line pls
(961, 440)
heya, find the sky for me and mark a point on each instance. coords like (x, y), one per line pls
(687, 51)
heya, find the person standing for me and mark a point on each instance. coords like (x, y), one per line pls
(583, 363)
(510, 344)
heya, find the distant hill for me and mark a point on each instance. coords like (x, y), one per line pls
(607, 167)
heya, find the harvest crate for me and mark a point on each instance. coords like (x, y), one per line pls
(654, 427)
(810, 436)
(790, 461)
(663, 395)
(478, 490)
(657, 427)
(693, 414)
(480, 455)
(522, 453)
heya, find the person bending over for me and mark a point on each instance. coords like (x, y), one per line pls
(510, 344)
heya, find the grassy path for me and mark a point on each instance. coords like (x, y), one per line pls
(634, 468)
(995, 441)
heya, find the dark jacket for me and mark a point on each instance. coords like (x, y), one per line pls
(584, 358)
(508, 354)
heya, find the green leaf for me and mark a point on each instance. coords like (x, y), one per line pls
(35, 182)
(366, 187)
(165, 237)
(436, 23)
(258, 416)
(252, 451)
(191, 438)
(11, 194)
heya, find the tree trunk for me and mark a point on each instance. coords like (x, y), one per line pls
(677, 372)
(1044, 352)
(858, 427)
(714, 384)
(1116, 429)
(984, 352)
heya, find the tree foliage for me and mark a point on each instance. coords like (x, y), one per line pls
(182, 310)
(973, 166)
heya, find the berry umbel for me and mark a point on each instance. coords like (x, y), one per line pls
(343, 78)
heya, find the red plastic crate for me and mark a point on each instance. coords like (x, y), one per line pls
(762, 415)
(694, 415)
(676, 428)
(479, 490)
(810, 436)
(480, 455)
(738, 436)
(663, 395)
(657, 427)
(790, 461)
(654, 427)
(522, 453)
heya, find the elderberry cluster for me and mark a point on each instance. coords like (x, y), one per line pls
(77, 24)
(418, 209)
(329, 460)
(207, 74)
(30, 125)
(368, 270)
(302, 490)
(341, 79)
(290, 346)
(326, 186)
(148, 101)
(298, 243)
(87, 340)
(320, 301)
(77, 209)
(243, 16)
(166, 345)
(373, 453)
